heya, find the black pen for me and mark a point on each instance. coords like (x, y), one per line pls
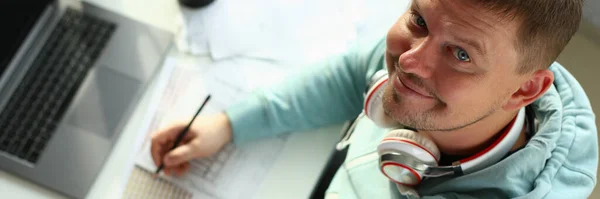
(182, 133)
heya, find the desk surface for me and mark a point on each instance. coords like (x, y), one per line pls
(294, 164)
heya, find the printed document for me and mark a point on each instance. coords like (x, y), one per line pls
(233, 172)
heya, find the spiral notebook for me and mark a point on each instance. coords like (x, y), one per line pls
(142, 185)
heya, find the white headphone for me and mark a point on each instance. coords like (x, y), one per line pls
(406, 157)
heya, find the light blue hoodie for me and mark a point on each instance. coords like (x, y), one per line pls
(559, 161)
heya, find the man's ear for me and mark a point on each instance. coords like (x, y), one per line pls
(537, 84)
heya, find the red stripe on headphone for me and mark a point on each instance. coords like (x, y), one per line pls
(496, 142)
(405, 167)
(371, 95)
(410, 142)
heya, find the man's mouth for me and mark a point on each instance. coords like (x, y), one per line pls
(404, 84)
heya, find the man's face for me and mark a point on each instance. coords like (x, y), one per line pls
(450, 65)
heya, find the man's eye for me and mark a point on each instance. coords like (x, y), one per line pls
(420, 21)
(461, 55)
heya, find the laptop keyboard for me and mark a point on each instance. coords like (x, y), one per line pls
(35, 109)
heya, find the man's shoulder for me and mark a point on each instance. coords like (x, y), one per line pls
(368, 48)
(566, 137)
(367, 55)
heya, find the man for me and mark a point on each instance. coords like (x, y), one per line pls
(459, 73)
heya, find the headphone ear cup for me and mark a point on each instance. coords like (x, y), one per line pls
(373, 104)
(410, 142)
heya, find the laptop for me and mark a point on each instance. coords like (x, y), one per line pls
(71, 74)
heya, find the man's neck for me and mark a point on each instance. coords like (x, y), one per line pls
(474, 138)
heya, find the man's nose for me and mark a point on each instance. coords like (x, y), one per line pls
(419, 59)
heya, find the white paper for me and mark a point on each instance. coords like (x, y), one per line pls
(239, 169)
(271, 29)
(289, 30)
(192, 37)
(228, 82)
(234, 27)
(306, 30)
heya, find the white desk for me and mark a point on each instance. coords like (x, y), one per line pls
(299, 164)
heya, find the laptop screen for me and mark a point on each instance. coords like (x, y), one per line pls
(17, 18)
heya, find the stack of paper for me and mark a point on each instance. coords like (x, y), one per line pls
(287, 30)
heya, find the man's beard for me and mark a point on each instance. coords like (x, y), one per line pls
(425, 120)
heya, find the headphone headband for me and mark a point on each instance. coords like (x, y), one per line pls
(498, 149)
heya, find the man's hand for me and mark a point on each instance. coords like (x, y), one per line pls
(206, 136)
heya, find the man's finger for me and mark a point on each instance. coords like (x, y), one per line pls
(159, 151)
(179, 155)
(163, 139)
(176, 169)
(167, 133)
(182, 169)
(167, 171)
(155, 150)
